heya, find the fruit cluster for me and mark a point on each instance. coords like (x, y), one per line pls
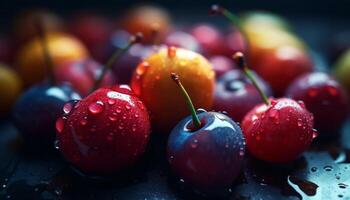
(100, 116)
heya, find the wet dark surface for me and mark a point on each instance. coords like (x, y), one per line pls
(321, 173)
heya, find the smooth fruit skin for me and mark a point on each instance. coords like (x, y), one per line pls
(282, 66)
(279, 132)
(210, 157)
(10, 88)
(147, 19)
(342, 70)
(81, 74)
(324, 97)
(37, 109)
(151, 82)
(236, 95)
(105, 132)
(62, 47)
(268, 20)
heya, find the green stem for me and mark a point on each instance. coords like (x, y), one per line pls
(115, 56)
(195, 119)
(46, 52)
(240, 61)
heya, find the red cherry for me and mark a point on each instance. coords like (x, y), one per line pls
(324, 97)
(278, 132)
(105, 132)
(221, 65)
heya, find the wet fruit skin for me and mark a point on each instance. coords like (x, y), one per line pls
(279, 132)
(236, 95)
(152, 84)
(147, 19)
(62, 47)
(81, 74)
(10, 88)
(105, 132)
(324, 97)
(210, 157)
(37, 109)
(282, 66)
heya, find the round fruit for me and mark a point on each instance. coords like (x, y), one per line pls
(10, 88)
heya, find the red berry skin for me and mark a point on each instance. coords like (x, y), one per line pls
(324, 97)
(105, 132)
(279, 132)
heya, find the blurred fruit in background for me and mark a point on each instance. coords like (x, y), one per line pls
(183, 40)
(152, 84)
(93, 30)
(324, 97)
(7, 49)
(253, 19)
(342, 69)
(62, 47)
(81, 75)
(10, 88)
(221, 64)
(147, 20)
(24, 24)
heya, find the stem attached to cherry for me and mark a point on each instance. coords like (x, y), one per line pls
(115, 56)
(241, 63)
(234, 19)
(47, 58)
(195, 119)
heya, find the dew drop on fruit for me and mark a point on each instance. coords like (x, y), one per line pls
(118, 110)
(111, 101)
(83, 121)
(113, 117)
(57, 144)
(60, 125)
(201, 110)
(314, 169)
(312, 92)
(171, 51)
(67, 108)
(299, 122)
(273, 102)
(171, 158)
(194, 143)
(342, 185)
(96, 108)
(142, 68)
(328, 168)
(314, 133)
(127, 107)
(120, 127)
(301, 103)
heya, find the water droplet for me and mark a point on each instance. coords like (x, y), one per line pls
(182, 180)
(60, 125)
(67, 108)
(171, 51)
(171, 158)
(314, 169)
(314, 133)
(312, 92)
(133, 128)
(194, 143)
(273, 102)
(120, 127)
(128, 107)
(301, 103)
(113, 117)
(142, 68)
(96, 108)
(118, 110)
(83, 121)
(201, 110)
(57, 144)
(328, 168)
(125, 87)
(111, 101)
(342, 185)
(300, 122)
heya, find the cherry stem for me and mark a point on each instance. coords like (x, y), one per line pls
(234, 19)
(47, 57)
(241, 63)
(195, 119)
(115, 56)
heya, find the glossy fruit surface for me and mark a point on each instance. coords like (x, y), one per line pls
(324, 97)
(152, 84)
(236, 95)
(147, 20)
(209, 157)
(10, 88)
(282, 66)
(62, 48)
(37, 109)
(81, 74)
(342, 70)
(252, 19)
(279, 132)
(105, 132)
